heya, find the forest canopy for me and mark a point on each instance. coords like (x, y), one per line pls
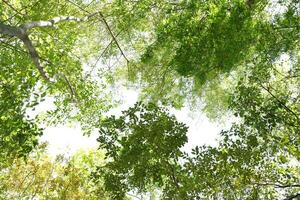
(224, 58)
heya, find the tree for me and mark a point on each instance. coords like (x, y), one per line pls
(228, 54)
(63, 50)
(44, 45)
(206, 44)
(43, 177)
(142, 148)
(203, 46)
(250, 162)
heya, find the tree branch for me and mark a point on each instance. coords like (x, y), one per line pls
(21, 33)
(99, 57)
(55, 20)
(35, 57)
(107, 26)
(279, 102)
(113, 36)
(10, 30)
(276, 185)
(72, 90)
(18, 12)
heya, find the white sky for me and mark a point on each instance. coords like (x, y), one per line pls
(67, 140)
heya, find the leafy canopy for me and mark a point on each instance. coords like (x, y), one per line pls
(238, 56)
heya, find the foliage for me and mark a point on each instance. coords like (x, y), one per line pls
(143, 146)
(68, 60)
(42, 177)
(200, 43)
(232, 56)
(250, 162)
(47, 61)
(231, 53)
(18, 135)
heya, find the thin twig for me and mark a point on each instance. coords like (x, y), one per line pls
(107, 26)
(279, 102)
(277, 185)
(72, 90)
(100, 56)
(18, 12)
(113, 36)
